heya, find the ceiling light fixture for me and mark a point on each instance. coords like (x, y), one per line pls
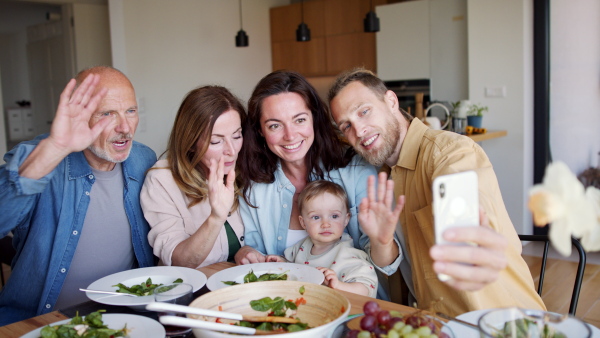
(371, 21)
(241, 39)
(303, 32)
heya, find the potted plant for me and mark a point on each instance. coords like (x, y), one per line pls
(475, 115)
(459, 116)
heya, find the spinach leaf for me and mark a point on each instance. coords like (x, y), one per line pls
(230, 282)
(250, 277)
(266, 326)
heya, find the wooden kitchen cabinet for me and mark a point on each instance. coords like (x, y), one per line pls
(337, 41)
(303, 57)
(346, 51)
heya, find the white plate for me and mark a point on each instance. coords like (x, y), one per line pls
(297, 272)
(140, 326)
(463, 331)
(159, 275)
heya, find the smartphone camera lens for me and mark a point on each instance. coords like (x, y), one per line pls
(442, 190)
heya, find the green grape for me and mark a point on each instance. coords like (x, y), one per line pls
(393, 334)
(364, 334)
(406, 329)
(423, 331)
(399, 325)
(411, 335)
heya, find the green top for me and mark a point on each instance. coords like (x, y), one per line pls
(232, 241)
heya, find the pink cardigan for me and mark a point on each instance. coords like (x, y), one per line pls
(171, 221)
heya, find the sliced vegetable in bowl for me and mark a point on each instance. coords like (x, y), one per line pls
(319, 307)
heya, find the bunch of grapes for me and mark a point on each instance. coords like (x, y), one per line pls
(381, 323)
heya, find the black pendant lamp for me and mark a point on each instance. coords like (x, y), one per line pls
(303, 32)
(241, 39)
(371, 21)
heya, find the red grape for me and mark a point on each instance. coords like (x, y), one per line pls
(352, 334)
(392, 322)
(413, 321)
(368, 323)
(383, 317)
(371, 308)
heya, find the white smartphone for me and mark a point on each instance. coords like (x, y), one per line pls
(455, 204)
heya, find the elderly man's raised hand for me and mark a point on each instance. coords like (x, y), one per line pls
(471, 267)
(71, 130)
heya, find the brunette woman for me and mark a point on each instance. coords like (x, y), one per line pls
(289, 140)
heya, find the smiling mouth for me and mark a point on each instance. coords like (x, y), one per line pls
(370, 140)
(293, 146)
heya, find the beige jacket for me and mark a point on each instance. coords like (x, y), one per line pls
(426, 154)
(351, 265)
(171, 221)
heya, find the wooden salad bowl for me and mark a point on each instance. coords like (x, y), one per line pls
(321, 307)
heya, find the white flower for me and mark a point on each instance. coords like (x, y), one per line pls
(591, 241)
(462, 109)
(561, 200)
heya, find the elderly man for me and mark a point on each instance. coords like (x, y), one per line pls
(71, 198)
(490, 274)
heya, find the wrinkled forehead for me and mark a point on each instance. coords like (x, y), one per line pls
(120, 96)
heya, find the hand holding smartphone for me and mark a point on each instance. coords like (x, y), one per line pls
(455, 204)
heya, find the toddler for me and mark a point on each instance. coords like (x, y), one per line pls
(324, 214)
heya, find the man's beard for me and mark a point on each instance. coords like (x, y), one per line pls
(390, 137)
(103, 154)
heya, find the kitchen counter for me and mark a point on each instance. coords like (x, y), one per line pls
(491, 134)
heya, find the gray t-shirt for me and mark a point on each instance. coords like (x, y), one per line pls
(105, 245)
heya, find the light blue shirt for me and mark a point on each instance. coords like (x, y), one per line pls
(46, 217)
(266, 227)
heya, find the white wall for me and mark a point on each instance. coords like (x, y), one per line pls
(449, 46)
(500, 45)
(92, 38)
(172, 47)
(575, 78)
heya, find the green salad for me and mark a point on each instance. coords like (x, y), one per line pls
(89, 327)
(251, 277)
(142, 289)
(278, 307)
(525, 328)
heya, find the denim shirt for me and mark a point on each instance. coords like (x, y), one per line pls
(266, 227)
(46, 216)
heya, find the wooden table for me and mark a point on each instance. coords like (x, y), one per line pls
(20, 328)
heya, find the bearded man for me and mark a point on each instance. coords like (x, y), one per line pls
(489, 274)
(71, 198)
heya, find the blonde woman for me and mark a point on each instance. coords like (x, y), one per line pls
(190, 198)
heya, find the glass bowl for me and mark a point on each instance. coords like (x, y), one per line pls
(515, 322)
(344, 329)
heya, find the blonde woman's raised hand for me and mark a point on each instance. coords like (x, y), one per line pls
(220, 194)
(71, 129)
